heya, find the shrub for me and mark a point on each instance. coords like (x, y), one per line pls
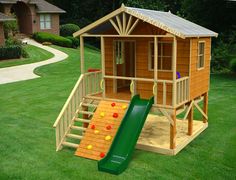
(54, 39)
(233, 65)
(12, 41)
(75, 41)
(10, 52)
(10, 28)
(68, 29)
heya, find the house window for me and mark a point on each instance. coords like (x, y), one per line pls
(45, 21)
(119, 52)
(164, 56)
(201, 55)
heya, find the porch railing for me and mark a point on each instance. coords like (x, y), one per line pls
(88, 84)
(182, 90)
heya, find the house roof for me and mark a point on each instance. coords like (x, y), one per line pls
(42, 6)
(3, 17)
(165, 20)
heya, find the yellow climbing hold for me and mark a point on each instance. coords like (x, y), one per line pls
(124, 107)
(107, 138)
(102, 114)
(96, 131)
(89, 147)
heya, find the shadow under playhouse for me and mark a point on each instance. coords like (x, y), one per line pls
(145, 54)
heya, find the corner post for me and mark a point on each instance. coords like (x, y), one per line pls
(82, 54)
(173, 131)
(174, 60)
(103, 65)
(205, 106)
(155, 67)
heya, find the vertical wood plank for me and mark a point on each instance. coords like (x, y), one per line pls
(190, 121)
(82, 54)
(174, 59)
(155, 64)
(103, 65)
(173, 131)
(205, 106)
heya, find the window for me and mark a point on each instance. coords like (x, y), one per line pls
(164, 56)
(119, 52)
(201, 55)
(45, 21)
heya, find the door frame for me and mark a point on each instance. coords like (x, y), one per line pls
(114, 62)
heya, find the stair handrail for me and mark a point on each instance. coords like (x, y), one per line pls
(68, 100)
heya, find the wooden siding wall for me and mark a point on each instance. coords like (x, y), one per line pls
(142, 55)
(199, 79)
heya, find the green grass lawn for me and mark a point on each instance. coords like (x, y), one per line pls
(35, 54)
(28, 110)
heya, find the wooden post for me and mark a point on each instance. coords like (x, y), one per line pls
(103, 65)
(174, 60)
(82, 54)
(173, 131)
(155, 65)
(190, 121)
(205, 106)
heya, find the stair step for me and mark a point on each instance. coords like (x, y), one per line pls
(78, 128)
(86, 112)
(89, 105)
(69, 144)
(82, 120)
(74, 136)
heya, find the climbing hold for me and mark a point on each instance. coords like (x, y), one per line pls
(93, 126)
(102, 114)
(113, 104)
(124, 107)
(89, 147)
(96, 131)
(115, 115)
(108, 127)
(107, 138)
(102, 154)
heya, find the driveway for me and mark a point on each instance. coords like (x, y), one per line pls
(26, 72)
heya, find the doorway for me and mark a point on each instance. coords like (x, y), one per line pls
(124, 52)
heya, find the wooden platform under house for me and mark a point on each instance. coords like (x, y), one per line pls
(150, 53)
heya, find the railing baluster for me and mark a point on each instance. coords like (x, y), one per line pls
(164, 93)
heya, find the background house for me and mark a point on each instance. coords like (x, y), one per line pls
(33, 15)
(3, 18)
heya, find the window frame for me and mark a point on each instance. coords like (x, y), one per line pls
(200, 55)
(159, 56)
(43, 20)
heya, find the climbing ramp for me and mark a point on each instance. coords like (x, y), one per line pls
(101, 130)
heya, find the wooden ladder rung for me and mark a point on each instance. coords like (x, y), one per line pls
(69, 144)
(82, 120)
(74, 136)
(78, 128)
(89, 105)
(86, 112)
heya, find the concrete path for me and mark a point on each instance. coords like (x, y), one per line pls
(25, 72)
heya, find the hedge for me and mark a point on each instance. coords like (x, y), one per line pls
(10, 52)
(75, 41)
(54, 39)
(68, 29)
(233, 65)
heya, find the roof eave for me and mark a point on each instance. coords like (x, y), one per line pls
(51, 12)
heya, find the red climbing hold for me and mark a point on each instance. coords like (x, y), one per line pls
(115, 115)
(113, 104)
(102, 155)
(108, 127)
(93, 126)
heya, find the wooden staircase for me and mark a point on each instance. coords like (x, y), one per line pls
(80, 123)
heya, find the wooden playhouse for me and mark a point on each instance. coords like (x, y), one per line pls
(144, 52)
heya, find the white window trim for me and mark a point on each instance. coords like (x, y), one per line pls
(149, 57)
(44, 21)
(204, 56)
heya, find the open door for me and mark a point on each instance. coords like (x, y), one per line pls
(124, 63)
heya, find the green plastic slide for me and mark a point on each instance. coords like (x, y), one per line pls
(119, 155)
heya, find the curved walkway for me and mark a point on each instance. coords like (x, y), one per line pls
(25, 72)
